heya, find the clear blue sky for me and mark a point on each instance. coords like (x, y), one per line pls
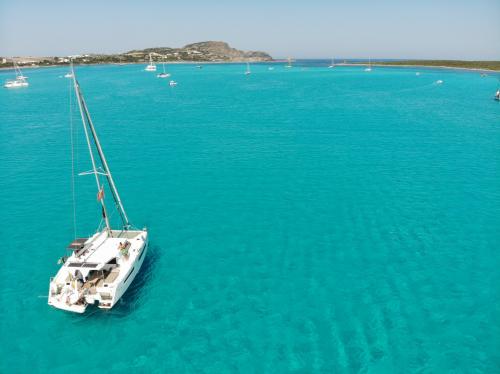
(455, 29)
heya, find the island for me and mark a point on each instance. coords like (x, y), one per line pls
(209, 51)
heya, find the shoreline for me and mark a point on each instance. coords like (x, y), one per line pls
(422, 66)
(268, 62)
(143, 63)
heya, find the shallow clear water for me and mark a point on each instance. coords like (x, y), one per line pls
(301, 220)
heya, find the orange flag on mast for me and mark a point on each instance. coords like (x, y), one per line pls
(100, 194)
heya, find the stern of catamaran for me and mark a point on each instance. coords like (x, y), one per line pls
(65, 295)
(99, 271)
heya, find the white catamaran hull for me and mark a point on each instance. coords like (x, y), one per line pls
(16, 84)
(123, 286)
(74, 287)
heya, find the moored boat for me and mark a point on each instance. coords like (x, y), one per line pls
(151, 66)
(164, 74)
(20, 81)
(100, 268)
(369, 68)
(248, 72)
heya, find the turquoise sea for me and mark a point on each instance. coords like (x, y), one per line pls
(304, 220)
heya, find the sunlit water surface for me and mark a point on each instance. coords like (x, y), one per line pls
(301, 220)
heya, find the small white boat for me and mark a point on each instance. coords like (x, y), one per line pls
(332, 65)
(68, 75)
(164, 74)
(151, 66)
(289, 65)
(16, 83)
(270, 68)
(369, 68)
(497, 95)
(172, 83)
(199, 66)
(100, 268)
(439, 81)
(20, 80)
(248, 72)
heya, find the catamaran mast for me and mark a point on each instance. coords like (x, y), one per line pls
(86, 119)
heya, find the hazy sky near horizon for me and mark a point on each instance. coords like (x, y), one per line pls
(448, 29)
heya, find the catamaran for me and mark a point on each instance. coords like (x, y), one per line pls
(164, 74)
(20, 80)
(248, 72)
(151, 66)
(289, 65)
(101, 267)
(332, 65)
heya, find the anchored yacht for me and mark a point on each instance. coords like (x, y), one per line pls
(100, 268)
(369, 68)
(248, 71)
(151, 66)
(20, 80)
(164, 74)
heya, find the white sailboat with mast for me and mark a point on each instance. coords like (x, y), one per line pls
(151, 66)
(164, 74)
(289, 65)
(369, 68)
(100, 268)
(248, 72)
(20, 80)
(332, 65)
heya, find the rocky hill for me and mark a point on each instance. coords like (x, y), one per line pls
(202, 51)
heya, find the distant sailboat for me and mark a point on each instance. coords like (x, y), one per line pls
(289, 65)
(332, 65)
(19, 74)
(173, 83)
(369, 68)
(69, 74)
(164, 74)
(20, 80)
(151, 66)
(248, 72)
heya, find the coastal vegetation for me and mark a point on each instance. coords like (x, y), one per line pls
(210, 51)
(486, 65)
